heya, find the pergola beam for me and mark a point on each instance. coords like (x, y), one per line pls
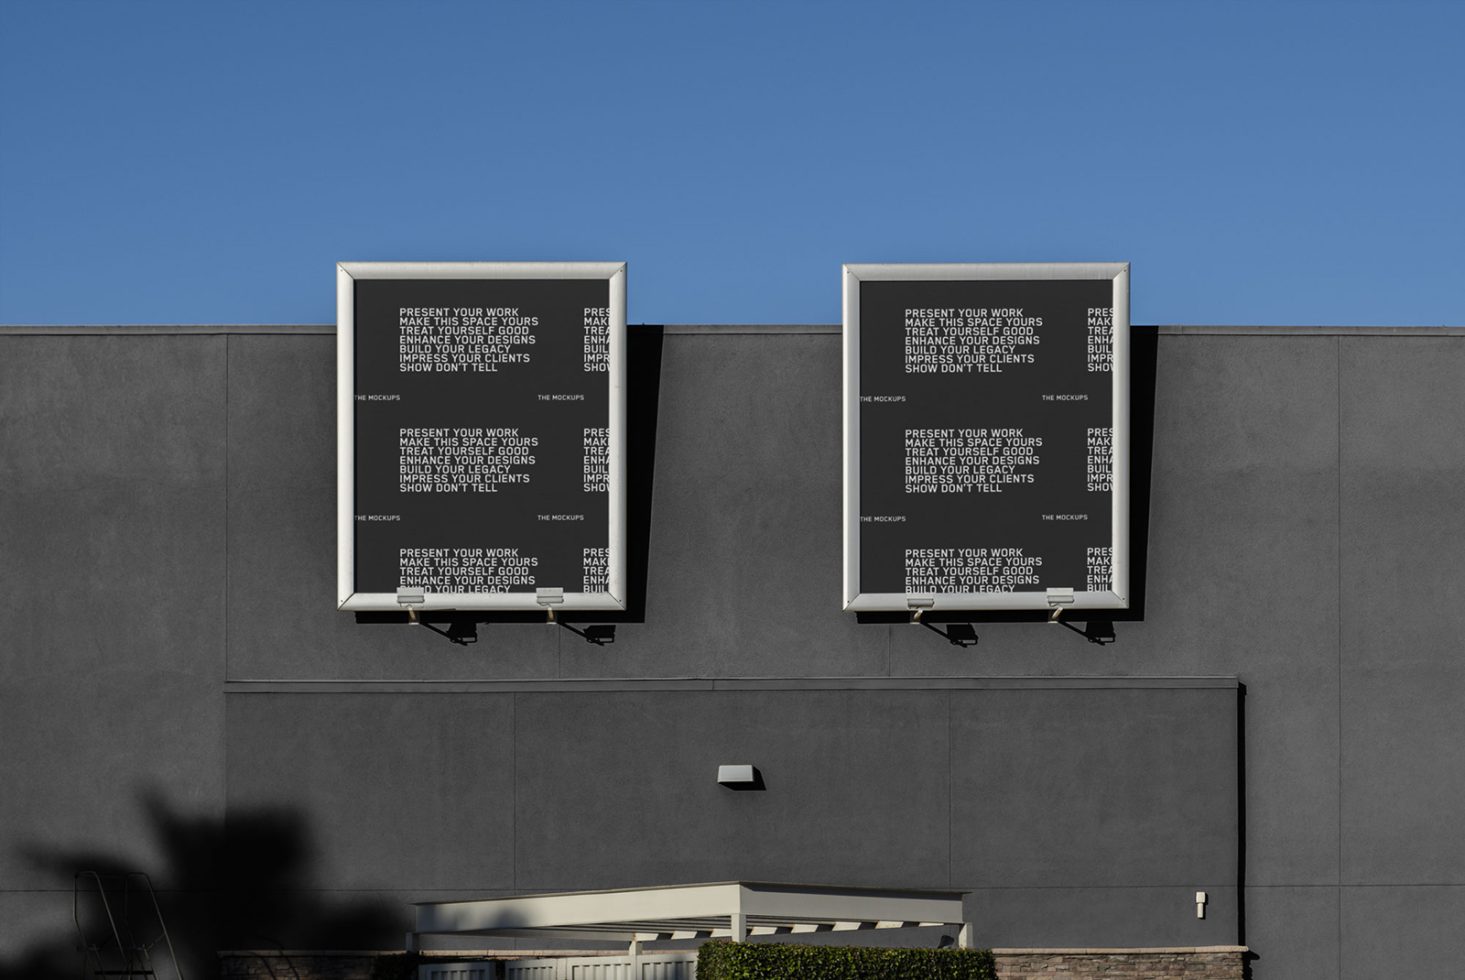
(733, 909)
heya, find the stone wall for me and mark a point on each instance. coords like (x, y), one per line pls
(1189, 962)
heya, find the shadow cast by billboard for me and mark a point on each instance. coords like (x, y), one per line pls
(643, 383)
(1099, 625)
(643, 402)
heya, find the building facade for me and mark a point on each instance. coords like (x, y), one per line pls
(1277, 721)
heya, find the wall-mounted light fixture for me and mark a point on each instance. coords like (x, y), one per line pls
(1200, 905)
(740, 777)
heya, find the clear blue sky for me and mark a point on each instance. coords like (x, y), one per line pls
(1257, 162)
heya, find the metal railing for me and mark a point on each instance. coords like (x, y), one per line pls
(117, 952)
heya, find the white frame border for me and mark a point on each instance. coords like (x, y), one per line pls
(856, 273)
(348, 599)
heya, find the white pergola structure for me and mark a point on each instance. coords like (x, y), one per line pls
(730, 909)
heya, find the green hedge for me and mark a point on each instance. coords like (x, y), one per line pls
(721, 960)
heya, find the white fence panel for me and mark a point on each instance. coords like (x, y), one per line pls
(654, 966)
(456, 971)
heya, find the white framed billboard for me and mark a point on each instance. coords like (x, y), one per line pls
(986, 436)
(481, 417)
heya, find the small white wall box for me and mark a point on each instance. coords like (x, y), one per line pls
(1200, 905)
(736, 775)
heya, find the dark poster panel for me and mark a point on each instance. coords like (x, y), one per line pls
(481, 415)
(985, 436)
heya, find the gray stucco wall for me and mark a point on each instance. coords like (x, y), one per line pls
(178, 694)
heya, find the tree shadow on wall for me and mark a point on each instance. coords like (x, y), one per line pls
(242, 882)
